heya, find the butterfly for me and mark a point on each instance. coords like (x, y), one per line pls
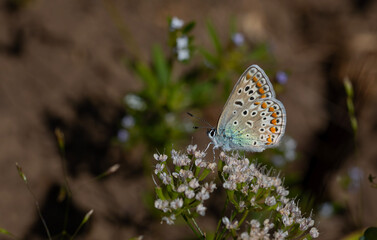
(252, 118)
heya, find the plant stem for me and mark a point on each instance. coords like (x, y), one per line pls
(196, 225)
(189, 224)
(243, 218)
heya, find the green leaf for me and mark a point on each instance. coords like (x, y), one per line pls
(214, 38)
(161, 66)
(370, 234)
(188, 27)
(148, 77)
(211, 59)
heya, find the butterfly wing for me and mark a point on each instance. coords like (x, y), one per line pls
(252, 85)
(258, 125)
(252, 119)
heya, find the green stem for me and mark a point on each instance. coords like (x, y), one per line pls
(196, 225)
(190, 225)
(243, 218)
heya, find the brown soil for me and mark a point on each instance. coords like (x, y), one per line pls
(61, 65)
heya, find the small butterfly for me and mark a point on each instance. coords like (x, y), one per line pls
(252, 119)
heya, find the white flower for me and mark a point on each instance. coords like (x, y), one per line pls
(183, 54)
(194, 183)
(182, 188)
(189, 193)
(238, 39)
(166, 179)
(160, 157)
(200, 163)
(287, 221)
(191, 149)
(128, 121)
(162, 205)
(135, 102)
(177, 203)
(280, 235)
(212, 166)
(182, 42)
(159, 168)
(202, 195)
(180, 159)
(176, 23)
(123, 135)
(210, 187)
(201, 210)
(314, 232)
(270, 201)
(282, 191)
(186, 173)
(228, 224)
(254, 223)
(169, 220)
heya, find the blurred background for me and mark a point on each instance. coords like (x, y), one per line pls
(117, 78)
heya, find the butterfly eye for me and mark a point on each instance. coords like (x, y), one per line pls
(211, 133)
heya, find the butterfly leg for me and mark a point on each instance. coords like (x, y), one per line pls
(209, 144)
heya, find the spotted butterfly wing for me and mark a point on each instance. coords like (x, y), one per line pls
(252, 119)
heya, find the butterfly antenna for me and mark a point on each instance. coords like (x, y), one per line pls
(204, 121)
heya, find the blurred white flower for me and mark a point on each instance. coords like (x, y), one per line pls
(183, 54)
(123, 135)
(356, 175)
(135, 102)
(326, 210)
(201, 210)
(169, 220)
(238, 39)
(128, 121)
(182, 42)
(176, 24)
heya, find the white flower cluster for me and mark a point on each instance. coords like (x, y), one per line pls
(181, 41)
(250, 189)
(257, 190)
(184, 189)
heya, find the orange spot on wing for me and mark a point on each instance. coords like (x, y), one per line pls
(269, 139)
(263, 96)
(259, 84)
(264, 105)
(256, 103)
(271, 109)
(248, 76)
(255, 79)
(273, 130)
(260, 90)
(273, 121)
(274, 115)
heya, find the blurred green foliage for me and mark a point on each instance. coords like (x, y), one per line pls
(157, 110)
